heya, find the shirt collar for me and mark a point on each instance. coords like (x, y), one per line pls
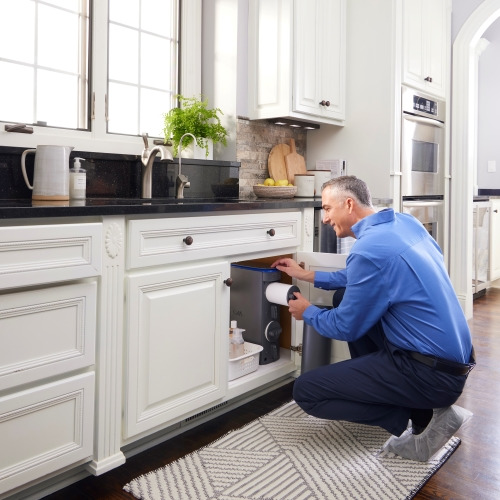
(382, 217)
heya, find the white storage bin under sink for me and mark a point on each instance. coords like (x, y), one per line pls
(245, 364)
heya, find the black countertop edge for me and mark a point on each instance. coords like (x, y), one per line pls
(26, 209)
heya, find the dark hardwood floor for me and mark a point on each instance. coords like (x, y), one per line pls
(472, 472)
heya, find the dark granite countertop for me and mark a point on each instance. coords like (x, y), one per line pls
(26, 208)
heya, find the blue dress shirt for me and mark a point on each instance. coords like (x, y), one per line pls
(395, 273)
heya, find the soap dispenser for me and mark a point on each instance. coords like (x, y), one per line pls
(77, 181)
(236, 341)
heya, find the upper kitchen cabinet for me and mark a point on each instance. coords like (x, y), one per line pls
(297, 60)
(426, 44)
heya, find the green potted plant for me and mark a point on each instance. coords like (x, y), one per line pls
(193, 116)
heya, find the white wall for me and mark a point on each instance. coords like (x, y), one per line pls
(461, 10)
(489, 110)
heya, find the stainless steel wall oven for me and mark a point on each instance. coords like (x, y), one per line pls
(422, 159)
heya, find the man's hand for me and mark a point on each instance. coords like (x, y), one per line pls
(290, 267)
(298, 305)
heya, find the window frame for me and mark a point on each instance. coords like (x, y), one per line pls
(97, 139)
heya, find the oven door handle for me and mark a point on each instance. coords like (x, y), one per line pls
(422, 203)
(423, 121)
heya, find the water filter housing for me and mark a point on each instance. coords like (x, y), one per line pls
(250, 307)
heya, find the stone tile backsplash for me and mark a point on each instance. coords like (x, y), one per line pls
(254, 141)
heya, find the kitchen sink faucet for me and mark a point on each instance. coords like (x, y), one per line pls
(148, 157)
(182, 181)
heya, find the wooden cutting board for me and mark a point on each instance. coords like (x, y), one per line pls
(295, 163)
(276, 162)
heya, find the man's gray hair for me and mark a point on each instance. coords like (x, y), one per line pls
(350, 186)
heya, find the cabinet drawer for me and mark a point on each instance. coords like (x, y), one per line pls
(32, 255)
(163, 241)
(45, 429)
(46, 332)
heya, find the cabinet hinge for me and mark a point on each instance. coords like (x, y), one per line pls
(297, 348)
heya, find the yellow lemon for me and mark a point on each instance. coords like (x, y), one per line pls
(282, 182)
(269, 182)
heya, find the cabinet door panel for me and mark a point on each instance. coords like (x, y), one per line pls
(269, 76)
(45, 429)
(317, 261)
(426, 44)
(163, 241)
(177, 343)
(437, 45)
(319, 57)
(33, 255)
(495, 240)
(46, 332)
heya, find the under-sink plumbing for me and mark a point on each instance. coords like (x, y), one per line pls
(148, 158)
(182, 181)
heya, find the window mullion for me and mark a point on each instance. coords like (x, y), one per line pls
(99, 67)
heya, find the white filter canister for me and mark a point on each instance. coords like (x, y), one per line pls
(281, 293)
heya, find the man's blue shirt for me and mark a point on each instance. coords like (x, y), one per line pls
(395, 273)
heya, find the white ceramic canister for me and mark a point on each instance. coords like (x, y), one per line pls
(305, 185)
(320, 177)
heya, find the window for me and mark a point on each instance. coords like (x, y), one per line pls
(44, 63)
(142, 69)
(103, 104)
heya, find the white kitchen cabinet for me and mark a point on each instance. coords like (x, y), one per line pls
(177, 311)
(48, 307)
(176, 349)
(297, 60)
(495, 239)
(426, 44)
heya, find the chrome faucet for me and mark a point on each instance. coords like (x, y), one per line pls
(147, 158)
(182, 181)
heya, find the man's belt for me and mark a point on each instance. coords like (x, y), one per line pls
(444, 365)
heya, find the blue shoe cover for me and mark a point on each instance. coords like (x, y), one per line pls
(421, 447)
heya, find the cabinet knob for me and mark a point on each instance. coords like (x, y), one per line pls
(271, 232)
(496, 211)
(188, 240)
(324, 103)
(428, 79)
(228, 281)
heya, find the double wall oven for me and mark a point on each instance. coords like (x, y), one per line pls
(422, 160)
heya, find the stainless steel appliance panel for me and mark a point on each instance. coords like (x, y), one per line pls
(430, 214)
(422, 145)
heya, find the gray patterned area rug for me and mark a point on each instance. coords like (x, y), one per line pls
(289, 455)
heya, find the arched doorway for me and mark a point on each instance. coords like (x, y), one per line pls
(464, 146)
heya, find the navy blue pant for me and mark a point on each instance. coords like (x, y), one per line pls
(379, 385)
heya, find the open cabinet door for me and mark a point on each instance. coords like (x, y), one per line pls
(317, 261)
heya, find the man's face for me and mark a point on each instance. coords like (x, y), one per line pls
(337, 212)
